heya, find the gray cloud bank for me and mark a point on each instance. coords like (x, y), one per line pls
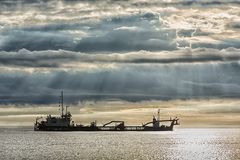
(122, 26)
(131, 50)
(115, 34)
(59, 58)
(127, 81)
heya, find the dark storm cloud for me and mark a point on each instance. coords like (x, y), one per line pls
(147, 83)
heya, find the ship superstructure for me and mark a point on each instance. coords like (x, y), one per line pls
(52, 122)
(64, 123)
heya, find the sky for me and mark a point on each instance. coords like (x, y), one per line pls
(121, 60)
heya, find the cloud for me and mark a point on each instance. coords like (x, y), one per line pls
(15, 40)
(67, 59)
(233, 42)
(149, 81)
(99, 50)
(101, 28)
(126, 41)
(110, 37)
(233, 25)
(187, 3)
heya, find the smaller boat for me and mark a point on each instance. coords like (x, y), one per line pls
(64, 123)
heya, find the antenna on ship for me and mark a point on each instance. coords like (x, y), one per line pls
(158, 115)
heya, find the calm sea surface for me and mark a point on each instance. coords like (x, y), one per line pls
(195, 144)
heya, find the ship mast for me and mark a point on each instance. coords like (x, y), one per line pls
(62, 103)
(158, 119)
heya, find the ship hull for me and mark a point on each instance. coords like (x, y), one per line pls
(87, 128)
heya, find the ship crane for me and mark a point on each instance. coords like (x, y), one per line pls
(119, 125)
(156, 123)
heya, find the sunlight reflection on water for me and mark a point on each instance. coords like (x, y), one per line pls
(179, 144)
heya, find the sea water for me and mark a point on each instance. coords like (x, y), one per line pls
(192, 144)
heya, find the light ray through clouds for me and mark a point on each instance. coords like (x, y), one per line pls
(133, 51)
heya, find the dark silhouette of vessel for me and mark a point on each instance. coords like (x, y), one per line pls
(64, 123)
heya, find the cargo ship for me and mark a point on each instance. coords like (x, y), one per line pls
(64, 123)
